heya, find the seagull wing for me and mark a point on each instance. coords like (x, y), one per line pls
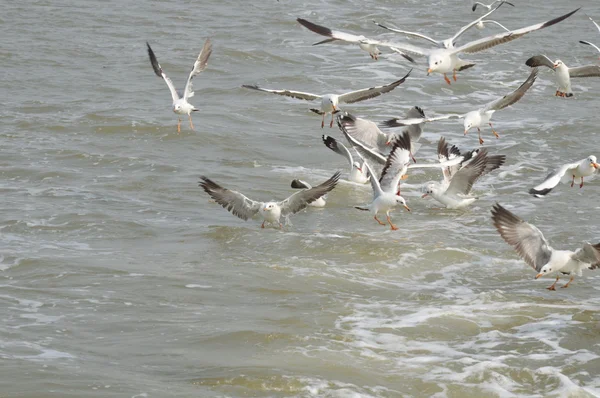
(374, 181)
(595, 24)
(364, 131)
(396, 164)
(396, 122)
(515, 96)
(473, 23)
(199, 66)
(300, 184)
(301, 199)
(159, 72)
(590, 44)
(462, 182)
(540, 60)
(413, 34)
(235, 202)
(589, 254)
(526, 239)
(446, 153)
(366, 93)
(585, 71)
(363, 150)
(505, 37)
(338, 148)
(333, 34)
(287, 93)
(552, 180)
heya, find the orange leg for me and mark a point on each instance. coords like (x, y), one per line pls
(567, 284)
(280, 226)
(446, 79)
(479, 133)
(494, 131)
(323, 121)
(378, 220)
(454, 74)
(392, 226)
(262, 225)
(557, 94)
(191, 124)
(178, 125)
(331, 123)
(573, 182)
(552, 287)
(581, 185)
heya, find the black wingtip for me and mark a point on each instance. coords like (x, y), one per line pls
(297, 184)
(541, 193)
(474, 7)
(391, 123)
(558, 19)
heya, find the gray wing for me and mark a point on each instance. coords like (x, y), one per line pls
(525, 238)
(364, 131)
(585, 71)
(540, 60)
(338, 148)
(589, 254)
(199, 66)
(333, 34)
(446, 153)
(409, 122)
(515, 96)
(372, 154)
(595, 24)
(235, 202)
(159, 72)
(413, 34)
(301, 199)
(462, 182)
(552, 180)
(372, 92)
(415, 130)
(286, 93)
(396, 164)
(590, 44)
(505, 37)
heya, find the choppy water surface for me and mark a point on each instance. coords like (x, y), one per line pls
(119, 278)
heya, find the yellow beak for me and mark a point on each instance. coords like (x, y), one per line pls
(429, 71)
(406, 207)
(424, 195)
(466, 131)
(595, 165)
(555, 66)
(538, 275)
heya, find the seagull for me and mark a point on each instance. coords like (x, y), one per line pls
(449, 42)
(489, 6)
(587, 42)
(301, 184)
(475, 119)
(401, 147)
(330, 102)
(369, 134)
(245, 208)
(385, 190)
(584, 168)
(357, 173)
(181, 106)
(446, 60)
(454, 191)
(564, 73)
(366, 44)
(530, 244)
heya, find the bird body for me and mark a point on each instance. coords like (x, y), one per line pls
(563, 72)
(567, 172)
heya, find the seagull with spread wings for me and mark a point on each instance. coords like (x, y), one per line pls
(181, 106)
(446, 60)
(366, 44)
(584, 168)
(563, 72)
(530, 244)
(451, 41)
(357, 172)
(330, 102)
(587, 42)
(475, 119)
(488, 6)
(245, 208)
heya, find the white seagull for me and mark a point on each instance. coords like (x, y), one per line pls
(446, 60)
(301, 184)
(385, 190)
(449, 42)
(587, 42)
(245, 208)
(330, 102)
(530, 244)
(563, 72)
(454, 191)
(181, 106)
(584, 168)
(489, 6)
(366, 44)
(478, 118)
(357, 173)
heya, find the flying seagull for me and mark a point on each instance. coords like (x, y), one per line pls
(245, 208)
(446, 60)
(330, 102)
(357, 173)
(584, 168)
(530, 244)
(449, 42)
(366, 44)
(489, 6)
(181, 106)
(475, 119)
(563, 72)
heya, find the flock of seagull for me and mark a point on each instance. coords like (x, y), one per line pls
(383, 159)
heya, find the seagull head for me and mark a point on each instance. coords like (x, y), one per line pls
(356, 165)
(176, 107)
(436, 61)
(593, 162)
(400, 201)
(558, 63)
(429, 188)
(269, 207)
(468, 123)
(546, 269)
